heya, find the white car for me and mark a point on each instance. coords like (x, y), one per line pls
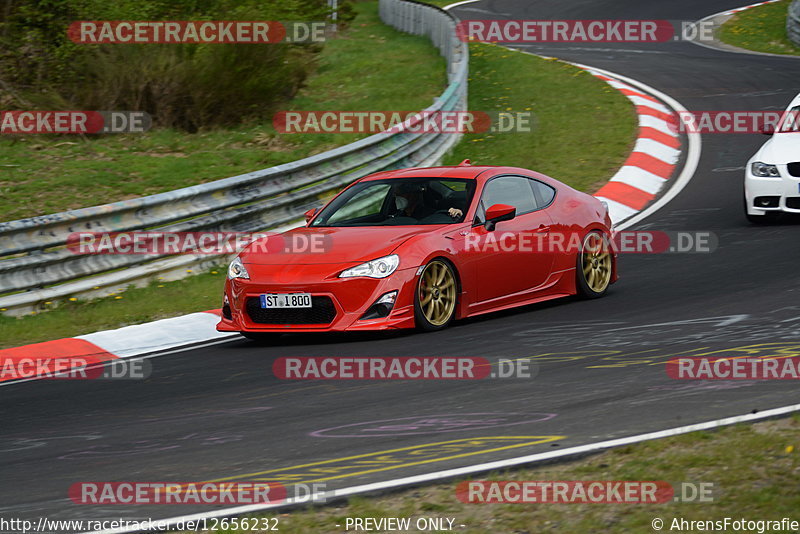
(772, 176)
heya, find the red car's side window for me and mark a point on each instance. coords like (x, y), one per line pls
(523, 193)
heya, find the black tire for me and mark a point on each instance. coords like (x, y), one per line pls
(421, 317)
(590, 288)
(262, 338)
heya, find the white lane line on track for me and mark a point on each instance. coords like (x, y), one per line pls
(451, 6)
(476, 468)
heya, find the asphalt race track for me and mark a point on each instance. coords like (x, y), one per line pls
(218, 411)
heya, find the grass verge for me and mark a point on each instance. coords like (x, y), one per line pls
(369, 66)
(755, 479)
(583, 131)
(582, 128)
(762, 29)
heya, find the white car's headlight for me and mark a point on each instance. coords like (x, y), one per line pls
(380, 268)
(765, 170)
(236, 269)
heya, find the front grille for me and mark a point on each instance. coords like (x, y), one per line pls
(322, 311)
(793, 203)
(794, 169)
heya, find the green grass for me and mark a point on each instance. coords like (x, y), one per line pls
(583, 129)
(583, 132)
(762, 29)
(755, 478)
(370, 66)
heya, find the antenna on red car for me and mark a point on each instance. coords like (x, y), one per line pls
(465, 163)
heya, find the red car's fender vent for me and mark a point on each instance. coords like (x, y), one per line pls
(321, 312)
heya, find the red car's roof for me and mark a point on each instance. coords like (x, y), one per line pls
(456, 171)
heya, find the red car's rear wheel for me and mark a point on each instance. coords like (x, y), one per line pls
(594, 268)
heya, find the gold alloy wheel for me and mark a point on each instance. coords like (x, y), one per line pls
(437, 293)
(596, 262)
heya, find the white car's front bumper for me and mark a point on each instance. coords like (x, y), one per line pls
(763, 195)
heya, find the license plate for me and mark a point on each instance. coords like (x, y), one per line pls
(286, 300)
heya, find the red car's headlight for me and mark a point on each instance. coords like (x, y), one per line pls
(236, 269)
(380, 268)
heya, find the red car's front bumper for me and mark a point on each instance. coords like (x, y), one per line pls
(350, 299)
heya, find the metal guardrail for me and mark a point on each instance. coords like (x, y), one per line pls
(793, 22)
(36, 266)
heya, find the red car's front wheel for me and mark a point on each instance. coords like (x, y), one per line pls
(436, 295)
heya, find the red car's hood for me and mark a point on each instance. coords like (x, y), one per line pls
(313, 246)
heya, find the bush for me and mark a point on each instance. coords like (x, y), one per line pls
(185, 86)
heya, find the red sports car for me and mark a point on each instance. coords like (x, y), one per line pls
(420, 248)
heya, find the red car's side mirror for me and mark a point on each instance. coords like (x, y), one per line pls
(499, 212)
(310, 214)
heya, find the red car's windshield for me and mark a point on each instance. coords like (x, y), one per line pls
(400, 202)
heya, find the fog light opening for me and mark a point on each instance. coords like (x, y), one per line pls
(226, 307)
(382, 307)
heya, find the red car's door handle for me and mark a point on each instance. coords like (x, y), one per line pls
(543, 229)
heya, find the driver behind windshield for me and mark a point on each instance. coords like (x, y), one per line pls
(409, 199)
